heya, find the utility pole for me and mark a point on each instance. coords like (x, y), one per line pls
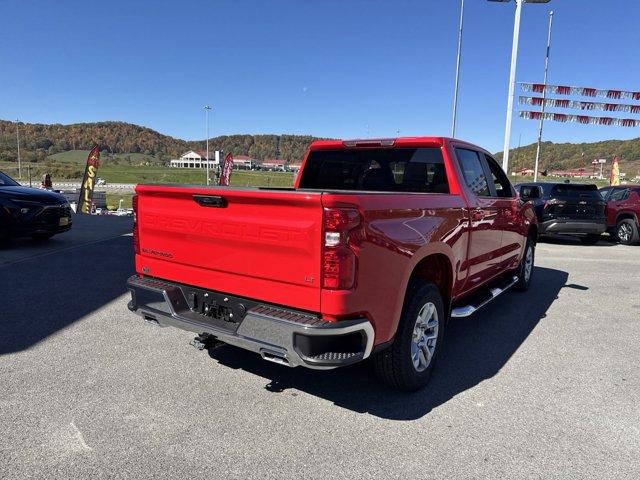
(512, 85)
(512, 75)
(517, 159)
(457, 80)
(207, 108)
(18, 142)
(544, 97)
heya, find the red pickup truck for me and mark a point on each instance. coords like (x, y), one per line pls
(375, 247)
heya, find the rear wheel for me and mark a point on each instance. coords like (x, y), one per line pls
(627, 231)
(525, 271)
(407, 364)
(590, 239)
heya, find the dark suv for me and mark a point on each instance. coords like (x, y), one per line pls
(567, 209)
(30, 212)
(623, 212)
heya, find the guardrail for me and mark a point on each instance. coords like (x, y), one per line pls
(107, 185)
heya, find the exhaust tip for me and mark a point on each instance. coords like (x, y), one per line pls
(275, 357)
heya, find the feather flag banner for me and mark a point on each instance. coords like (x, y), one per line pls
(579, 91)
(579, 105)
(583, 119)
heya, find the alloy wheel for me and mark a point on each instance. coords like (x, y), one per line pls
(425, 336)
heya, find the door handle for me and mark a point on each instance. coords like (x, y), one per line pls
(216, 201)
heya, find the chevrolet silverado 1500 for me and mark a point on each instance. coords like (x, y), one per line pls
(378, 244)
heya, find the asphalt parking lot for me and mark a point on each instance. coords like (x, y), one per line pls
(538, 385)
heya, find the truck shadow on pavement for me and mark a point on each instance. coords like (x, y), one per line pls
(474, 350)
(58, 286)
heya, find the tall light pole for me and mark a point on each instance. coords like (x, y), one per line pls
(544, 97)
(18, 142)
(457, 81)
(512, 76)
(207, 108)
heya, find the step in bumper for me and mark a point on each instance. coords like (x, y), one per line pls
(281, 335)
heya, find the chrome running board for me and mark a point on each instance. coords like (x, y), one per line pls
(491, 294)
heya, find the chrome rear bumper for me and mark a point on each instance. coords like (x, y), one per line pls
(278, 334)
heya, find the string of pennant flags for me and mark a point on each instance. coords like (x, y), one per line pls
(573, 104)
(579, 105)
(583, 119)
(579, 91)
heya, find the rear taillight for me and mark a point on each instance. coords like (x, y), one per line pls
(339, 263)
(136, 236)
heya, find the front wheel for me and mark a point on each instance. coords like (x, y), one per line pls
(407, 364)
(627, 232)
(525, 270)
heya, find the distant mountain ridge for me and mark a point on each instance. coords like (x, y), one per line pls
(559, 156)
(38, 141)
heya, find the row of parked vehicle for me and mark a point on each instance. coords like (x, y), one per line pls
(585, 211)
(31, 212)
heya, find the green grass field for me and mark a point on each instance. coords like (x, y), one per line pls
(68, 171)
(69, 166)
(143, 174)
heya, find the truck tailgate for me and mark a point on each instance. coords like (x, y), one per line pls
(261, 244)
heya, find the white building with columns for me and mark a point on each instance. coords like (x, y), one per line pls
(196, 159)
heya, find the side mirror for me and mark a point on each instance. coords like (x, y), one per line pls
(530, 193)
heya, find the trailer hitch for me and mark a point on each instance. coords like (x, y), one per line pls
(205, 341)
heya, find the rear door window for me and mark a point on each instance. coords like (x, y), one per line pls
(500, 181)
(473, 172)
(619, 194)
(419, 170)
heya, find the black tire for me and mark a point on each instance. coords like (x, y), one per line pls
(526, 274)
(590, 239)
(627, 232)
(394, 366)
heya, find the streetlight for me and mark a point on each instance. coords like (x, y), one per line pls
(512, 75)
(544, 98)
(18, 142)
(207, 108)
(457, 82)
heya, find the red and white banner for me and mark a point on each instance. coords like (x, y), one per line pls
(579, 105)
(584, 119)
(227, 167)
(579, 91)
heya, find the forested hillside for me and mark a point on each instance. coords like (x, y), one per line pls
(39, 141)
(555, 156)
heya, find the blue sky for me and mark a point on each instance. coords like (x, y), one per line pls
(326, 68)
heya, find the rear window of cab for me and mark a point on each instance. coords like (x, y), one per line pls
(382, 170)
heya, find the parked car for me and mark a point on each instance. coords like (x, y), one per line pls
(31, 212)
(378, 244)
(567, 209)
(623, 212)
